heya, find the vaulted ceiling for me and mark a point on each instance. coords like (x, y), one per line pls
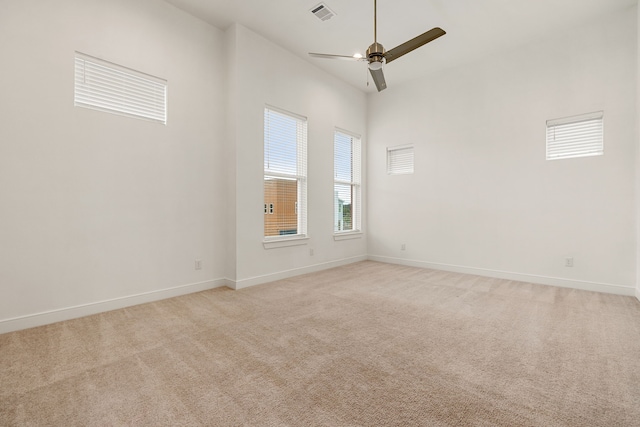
(475, 28)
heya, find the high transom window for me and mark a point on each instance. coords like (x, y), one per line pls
(104, 86)
(577, 136)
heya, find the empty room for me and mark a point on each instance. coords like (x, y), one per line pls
(319, 213)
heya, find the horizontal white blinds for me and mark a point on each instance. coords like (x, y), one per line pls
(577, 136)
(284, 137)
(343, 157)
(108, 87)
(400, 160)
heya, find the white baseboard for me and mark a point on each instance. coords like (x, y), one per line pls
(45, 318)
(529, 278)
(259, 280)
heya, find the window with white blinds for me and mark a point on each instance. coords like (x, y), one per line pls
(108, 87)
(285, 174)
(346, 189)
(400, 160)
(577, 136)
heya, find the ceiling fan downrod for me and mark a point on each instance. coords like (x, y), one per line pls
(375, 52)
(375, 21)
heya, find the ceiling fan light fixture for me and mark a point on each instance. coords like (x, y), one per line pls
(376, 63)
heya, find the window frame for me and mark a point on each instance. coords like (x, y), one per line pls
(355, 183)
(300, 176)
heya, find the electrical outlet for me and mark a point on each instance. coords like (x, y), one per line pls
(198, 264)
(403, 247)
(568, 262)
(311, 252)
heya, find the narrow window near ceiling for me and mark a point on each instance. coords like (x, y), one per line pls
(400, 160)
(577, 136)
(285, 173)
(346, 188)
(108, 87)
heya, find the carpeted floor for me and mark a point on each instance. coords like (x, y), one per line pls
(368, 344)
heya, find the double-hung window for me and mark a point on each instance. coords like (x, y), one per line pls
(346, 188)
(285, 174)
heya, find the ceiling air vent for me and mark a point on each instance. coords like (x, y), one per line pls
(322, 12)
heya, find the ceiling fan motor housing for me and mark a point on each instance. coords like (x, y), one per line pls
(375, 53)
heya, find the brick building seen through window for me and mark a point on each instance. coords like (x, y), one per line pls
(281, 203)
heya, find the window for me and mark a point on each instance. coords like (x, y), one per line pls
(400, 160)
(108, 87)
(577, 136)
(285, 173)
(346, 187)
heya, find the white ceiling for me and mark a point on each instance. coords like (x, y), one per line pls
(475, 28)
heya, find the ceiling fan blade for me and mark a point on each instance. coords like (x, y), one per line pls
(378, 79)
(414, 43)
(328, 56)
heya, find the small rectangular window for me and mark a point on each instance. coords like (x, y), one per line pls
(103, 86)
(577, 136)
(400, 160)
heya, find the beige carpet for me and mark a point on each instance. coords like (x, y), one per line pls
(367, 344)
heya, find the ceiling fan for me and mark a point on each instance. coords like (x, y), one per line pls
(376, 56)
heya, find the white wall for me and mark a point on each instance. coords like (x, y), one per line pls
(267, 74)
(97, 207)
(483, 198)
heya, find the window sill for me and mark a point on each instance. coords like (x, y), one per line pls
(286, 242)
(348, 236)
